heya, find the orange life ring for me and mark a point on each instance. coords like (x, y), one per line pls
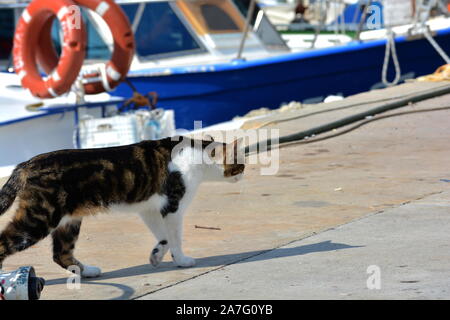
(67, 67)
(114, 70)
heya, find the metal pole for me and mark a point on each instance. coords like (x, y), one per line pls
(363, 19)
(251, 9)
(322, 19)
(342, 15)
(336, 13)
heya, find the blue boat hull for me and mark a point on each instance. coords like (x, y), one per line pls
(217, 93)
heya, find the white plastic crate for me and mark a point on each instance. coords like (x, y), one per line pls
(126, 129)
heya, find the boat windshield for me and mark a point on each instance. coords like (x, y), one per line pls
(157, 27)
(212, 16)
(159, 31)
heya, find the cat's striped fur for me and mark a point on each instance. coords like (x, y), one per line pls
(56, 190)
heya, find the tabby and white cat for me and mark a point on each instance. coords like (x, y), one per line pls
(157, 179)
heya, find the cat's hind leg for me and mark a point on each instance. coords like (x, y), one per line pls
(155, 223)
(28, 226)
(64, 239)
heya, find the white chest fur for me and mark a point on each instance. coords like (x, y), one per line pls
(185, 163)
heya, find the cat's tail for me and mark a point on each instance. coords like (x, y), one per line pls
(9, 191)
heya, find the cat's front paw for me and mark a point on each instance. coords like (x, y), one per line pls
(156, 257)
(158, 253)
(90, 271)
(184, 261)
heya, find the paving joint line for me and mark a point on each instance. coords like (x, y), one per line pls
(306, 236)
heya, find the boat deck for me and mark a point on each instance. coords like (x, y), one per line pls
(273, 234)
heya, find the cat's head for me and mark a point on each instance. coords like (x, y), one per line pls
(226, 161)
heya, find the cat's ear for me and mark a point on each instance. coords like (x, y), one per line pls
(208, 137)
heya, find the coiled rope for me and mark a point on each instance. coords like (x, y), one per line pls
(391, 49)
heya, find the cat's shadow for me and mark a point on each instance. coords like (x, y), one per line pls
(212, 261)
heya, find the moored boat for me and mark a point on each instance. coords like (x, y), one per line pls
(209, 63)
